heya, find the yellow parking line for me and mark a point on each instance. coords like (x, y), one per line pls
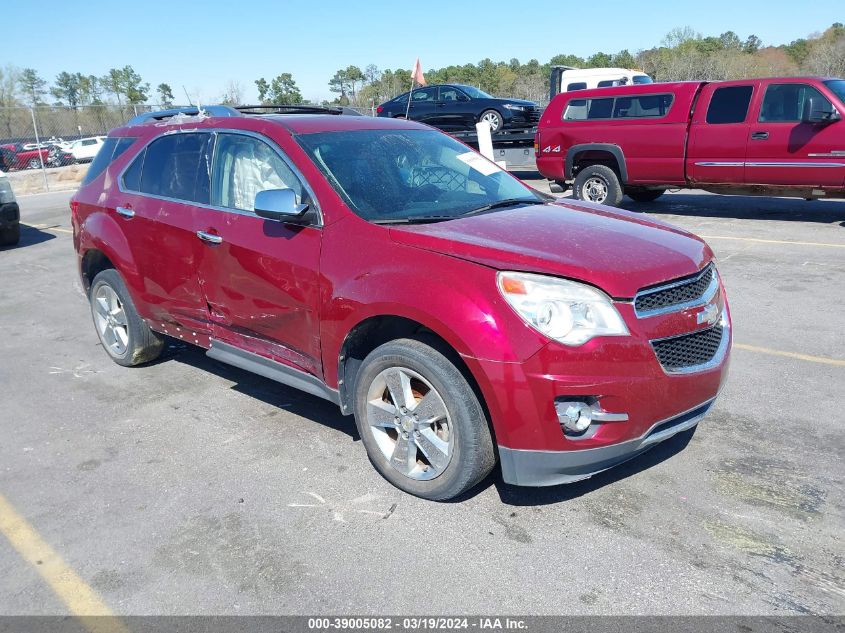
(776, 352)
(81, 600)
(757, 239)
(47, 227)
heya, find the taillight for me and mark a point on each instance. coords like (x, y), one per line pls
(536, 146)
(379, 109)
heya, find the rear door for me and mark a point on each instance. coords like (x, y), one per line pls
(423, 104)
(155, 206)
(784, 151)
(260, 277)
(719, 134)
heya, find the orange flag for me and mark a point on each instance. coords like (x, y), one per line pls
(417, 73)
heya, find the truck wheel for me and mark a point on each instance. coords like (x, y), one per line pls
(124, 334)
(421, 422)
(494, 119)
(644, 195)
(10, 236)
(598, 183)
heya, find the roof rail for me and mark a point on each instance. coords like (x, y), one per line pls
(160, 115)
(288, 109)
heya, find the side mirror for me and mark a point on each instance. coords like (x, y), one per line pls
(279, 205)
(819, 111)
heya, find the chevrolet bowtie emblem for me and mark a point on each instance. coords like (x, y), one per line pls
(709, 314)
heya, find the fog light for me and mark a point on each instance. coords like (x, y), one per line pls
(574, 416)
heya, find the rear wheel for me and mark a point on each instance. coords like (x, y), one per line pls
(124, 334)
(598, 183)
(420, 421)
(644, 195)
(33, 163)
(494, 119)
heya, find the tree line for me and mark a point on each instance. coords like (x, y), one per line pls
(684, 54)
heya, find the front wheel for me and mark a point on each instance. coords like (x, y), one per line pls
(123, 333)
(597, 183)
(10, 236)
(644, 195)
(494, 119)
(33, 163)
(420, 421)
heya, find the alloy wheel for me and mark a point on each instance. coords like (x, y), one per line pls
(111, 320)
(410, 423)
(493, 119)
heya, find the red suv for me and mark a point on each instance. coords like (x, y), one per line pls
(378, 263)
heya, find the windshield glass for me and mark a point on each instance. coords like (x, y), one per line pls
(837, 86)
(475, 93)
(642, 79)
(401, 175)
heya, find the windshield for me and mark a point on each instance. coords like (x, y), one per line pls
(642, 79)
(837, 86)
(402, 175)
(475, 93)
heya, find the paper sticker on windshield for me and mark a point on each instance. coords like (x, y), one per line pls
(478, 163)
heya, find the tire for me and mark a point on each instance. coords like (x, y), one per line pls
(446, 457)
(598, 183)
(125, 337)
(644, 195)
(494, 118)
(33, 163)
(10, 236)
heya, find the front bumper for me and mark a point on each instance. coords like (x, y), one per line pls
(550, 468)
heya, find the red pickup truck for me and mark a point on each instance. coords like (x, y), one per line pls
(777, 137)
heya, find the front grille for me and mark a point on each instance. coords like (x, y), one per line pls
(534, 115)
(674, 294)
(688, 350)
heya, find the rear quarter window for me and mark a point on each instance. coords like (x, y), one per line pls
(110, 150)
(634, 107)
(729, 104)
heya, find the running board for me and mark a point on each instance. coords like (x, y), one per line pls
(271, 369)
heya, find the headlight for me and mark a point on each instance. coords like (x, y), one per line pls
(563, 310)
(511, 106)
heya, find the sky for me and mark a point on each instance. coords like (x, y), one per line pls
(201, 46)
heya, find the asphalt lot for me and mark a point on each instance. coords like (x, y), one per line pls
(189, 487)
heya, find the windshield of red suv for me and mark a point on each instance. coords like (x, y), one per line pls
(837, 86)
(407, 175)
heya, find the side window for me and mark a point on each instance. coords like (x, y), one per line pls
(132, 175)
(449, 94)
(600, 108)
(110, 150)
(607, 83)
(642, 107)
(578, 85)
(729, 104)
(177, 166)
(427, 94)
(243, 166)
(581, 109)
(785, 102)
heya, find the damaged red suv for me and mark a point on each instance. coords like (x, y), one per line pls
(463, 318)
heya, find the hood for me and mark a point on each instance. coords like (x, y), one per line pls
(521, 102)
(617, 251)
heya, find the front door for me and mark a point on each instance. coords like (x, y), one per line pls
(784, 151)
(453, 110)
(260, 277)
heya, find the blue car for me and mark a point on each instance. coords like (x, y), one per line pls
(456, 107)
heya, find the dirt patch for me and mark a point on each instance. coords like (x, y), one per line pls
(58, 179)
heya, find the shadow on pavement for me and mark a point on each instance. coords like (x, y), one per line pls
(30, 236)
(743, 208)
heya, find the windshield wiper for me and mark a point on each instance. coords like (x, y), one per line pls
(416, 219)
(501, 204)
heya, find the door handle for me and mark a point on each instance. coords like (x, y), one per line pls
(209, 237)
(759, 136)
(126, 212)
